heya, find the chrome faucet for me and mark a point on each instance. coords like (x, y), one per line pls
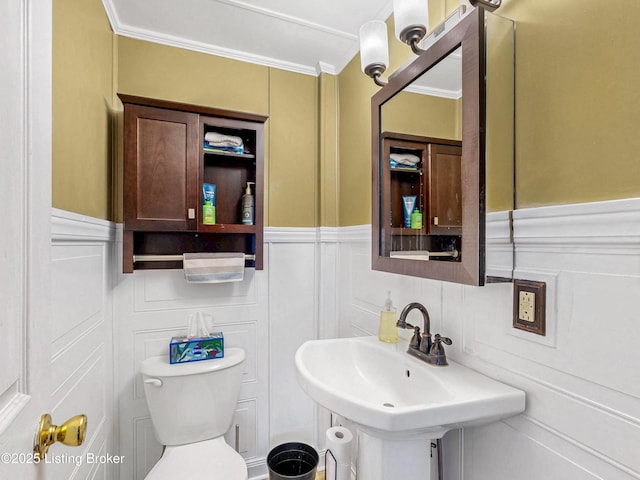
(422, 346)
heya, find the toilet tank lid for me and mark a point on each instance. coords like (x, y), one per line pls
(160, 366)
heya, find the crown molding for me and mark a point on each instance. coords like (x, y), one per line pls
(201, 47)
(323, 67)
(434, 92)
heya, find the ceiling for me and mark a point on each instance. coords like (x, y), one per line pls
(308, 37)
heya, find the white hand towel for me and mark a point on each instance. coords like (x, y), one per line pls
(213, 267)
(405, 158)
(222, 140)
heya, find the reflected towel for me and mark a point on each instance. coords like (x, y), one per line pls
(209, 147)
(405, 158)
(213, 267)
(222, 140)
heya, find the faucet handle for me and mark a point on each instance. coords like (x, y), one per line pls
(437, 350)
(437, 338)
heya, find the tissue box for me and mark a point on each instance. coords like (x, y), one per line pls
(184, 349)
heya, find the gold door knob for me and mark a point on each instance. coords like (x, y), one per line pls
(71, 433)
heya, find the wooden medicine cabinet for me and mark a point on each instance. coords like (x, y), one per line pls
(435, 111)
(166, 164)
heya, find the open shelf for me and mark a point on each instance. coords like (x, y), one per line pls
(406, 170)
(408, 231)
(228, 228)
(222, 153)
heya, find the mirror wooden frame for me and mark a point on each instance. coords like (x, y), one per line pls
(469, 35)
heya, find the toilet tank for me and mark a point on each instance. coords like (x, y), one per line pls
(192, 402)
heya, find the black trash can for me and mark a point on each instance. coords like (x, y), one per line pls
(292, 461)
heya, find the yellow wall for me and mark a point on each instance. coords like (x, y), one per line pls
(576, 103)
(91, 64)
(83, 66)
(500, 104)
(355, 91)
(424, 115)
(576, 100)
(169, 73)
(293, 158)
(328, 154)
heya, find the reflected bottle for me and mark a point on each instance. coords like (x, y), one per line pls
(416, 219)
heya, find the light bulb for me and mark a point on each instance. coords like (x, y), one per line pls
(409, 14)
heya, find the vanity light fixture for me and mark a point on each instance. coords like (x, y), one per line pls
(411, 18)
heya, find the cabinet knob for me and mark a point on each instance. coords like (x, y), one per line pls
(191, 213)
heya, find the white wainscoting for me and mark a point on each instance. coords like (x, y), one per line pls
(582, 381)
(152, 306)
(81, 336)
(270, 313)
(583, 408)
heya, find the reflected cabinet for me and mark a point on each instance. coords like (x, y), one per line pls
(421, 184)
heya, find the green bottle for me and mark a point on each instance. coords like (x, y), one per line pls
(416, 219)
(208, 213)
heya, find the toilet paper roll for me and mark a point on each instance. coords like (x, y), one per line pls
(339, 441)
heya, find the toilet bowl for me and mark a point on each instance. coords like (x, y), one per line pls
(197, 460)
(192, 407)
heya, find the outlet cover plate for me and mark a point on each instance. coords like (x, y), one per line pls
(526, 292)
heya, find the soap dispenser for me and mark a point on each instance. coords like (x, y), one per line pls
(248, 203)
(388, 332)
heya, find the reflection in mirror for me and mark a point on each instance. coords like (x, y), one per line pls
(500, 144)
(443, 156)
(421, 160)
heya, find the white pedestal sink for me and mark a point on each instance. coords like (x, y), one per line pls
(398, 402)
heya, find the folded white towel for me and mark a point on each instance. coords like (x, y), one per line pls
(405, 158)
(213, 267)
(222, 140)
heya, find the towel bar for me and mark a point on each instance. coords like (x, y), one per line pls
(401, 253)
(170, 258)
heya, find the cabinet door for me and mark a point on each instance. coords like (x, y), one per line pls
(160, 169)
(445, 189)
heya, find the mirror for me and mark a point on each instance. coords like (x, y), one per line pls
(443, 157)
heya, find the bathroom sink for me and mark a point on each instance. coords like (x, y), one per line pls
(379, 386)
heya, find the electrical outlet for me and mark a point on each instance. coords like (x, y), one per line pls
(529, 306)
(526, 306)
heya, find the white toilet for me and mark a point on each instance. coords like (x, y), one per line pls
(191, 406)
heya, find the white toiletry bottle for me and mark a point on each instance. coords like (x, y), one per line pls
(248, 206)
(388, 331)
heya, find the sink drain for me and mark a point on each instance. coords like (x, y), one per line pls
(388, 405)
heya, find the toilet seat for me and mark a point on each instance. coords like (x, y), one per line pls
(210, 459)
